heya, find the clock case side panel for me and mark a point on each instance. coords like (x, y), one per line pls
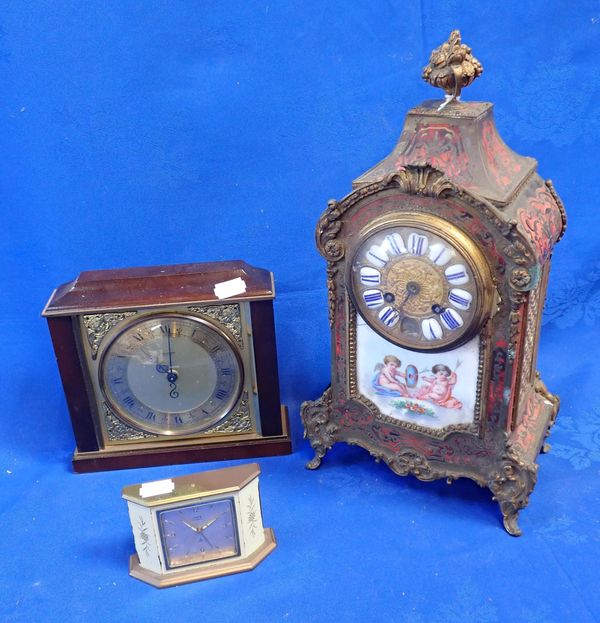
(79, 400)
(252, 532)
(536, 408)
(266, 369)
(337, 416)
(146, 537)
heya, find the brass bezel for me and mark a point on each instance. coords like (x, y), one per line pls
(125, 326)
(471, 253)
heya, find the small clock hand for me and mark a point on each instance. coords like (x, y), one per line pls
(191, 526)
(170, 351)
(412, 288)
(171, 376)
(408, 295)
(207, 524)
(207, 540)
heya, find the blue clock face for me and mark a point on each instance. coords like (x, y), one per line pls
(198, 533)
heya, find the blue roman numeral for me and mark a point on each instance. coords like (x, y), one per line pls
(388, 316)
(449, 320)
(383, 260)
(439, 255)
(394, 246)
(370, 279)
(459, 300)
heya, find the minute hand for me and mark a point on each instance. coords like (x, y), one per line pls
(207, 524)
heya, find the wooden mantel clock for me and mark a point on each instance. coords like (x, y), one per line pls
(169, 364)
(437, 265)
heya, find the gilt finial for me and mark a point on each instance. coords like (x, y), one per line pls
(452, 67)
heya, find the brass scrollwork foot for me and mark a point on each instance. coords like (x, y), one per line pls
(511, 525)
(512, 483)
(318, 426)
(315, 461)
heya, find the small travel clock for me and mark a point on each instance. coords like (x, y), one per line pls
(198, 526)
(169, 364)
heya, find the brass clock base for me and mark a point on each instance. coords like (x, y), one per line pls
(219, 449)
(185, 576)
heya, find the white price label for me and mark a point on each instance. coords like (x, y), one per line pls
(233, 287)
(157, 487)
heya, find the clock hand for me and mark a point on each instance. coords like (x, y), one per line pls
(202, 528)
(207, 540)
(171, 376)
(191, 526)
(170, 352)
(412, 288)
(207, 524)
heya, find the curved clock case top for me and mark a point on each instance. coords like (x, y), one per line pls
(437, 265)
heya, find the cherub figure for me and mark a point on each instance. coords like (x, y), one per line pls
(438, 388)
(386, 377)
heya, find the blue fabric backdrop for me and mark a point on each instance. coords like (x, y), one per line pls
(146, 132)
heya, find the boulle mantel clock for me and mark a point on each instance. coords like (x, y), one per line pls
(169, 364)
(437, 265)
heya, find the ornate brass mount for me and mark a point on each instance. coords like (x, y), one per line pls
(452, 67)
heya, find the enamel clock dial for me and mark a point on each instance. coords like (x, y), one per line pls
(418, 284)
(199, 533)
(171, 374)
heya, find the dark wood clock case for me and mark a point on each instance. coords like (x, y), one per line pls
(109, 294)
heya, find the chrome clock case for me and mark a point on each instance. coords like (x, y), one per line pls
(438, 398)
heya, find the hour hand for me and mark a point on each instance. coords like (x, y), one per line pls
(192, 527)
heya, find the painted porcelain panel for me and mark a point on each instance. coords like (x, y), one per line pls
(429, 389)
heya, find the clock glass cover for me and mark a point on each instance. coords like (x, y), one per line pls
(171, 374)
(419, 286)
(199, 533)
